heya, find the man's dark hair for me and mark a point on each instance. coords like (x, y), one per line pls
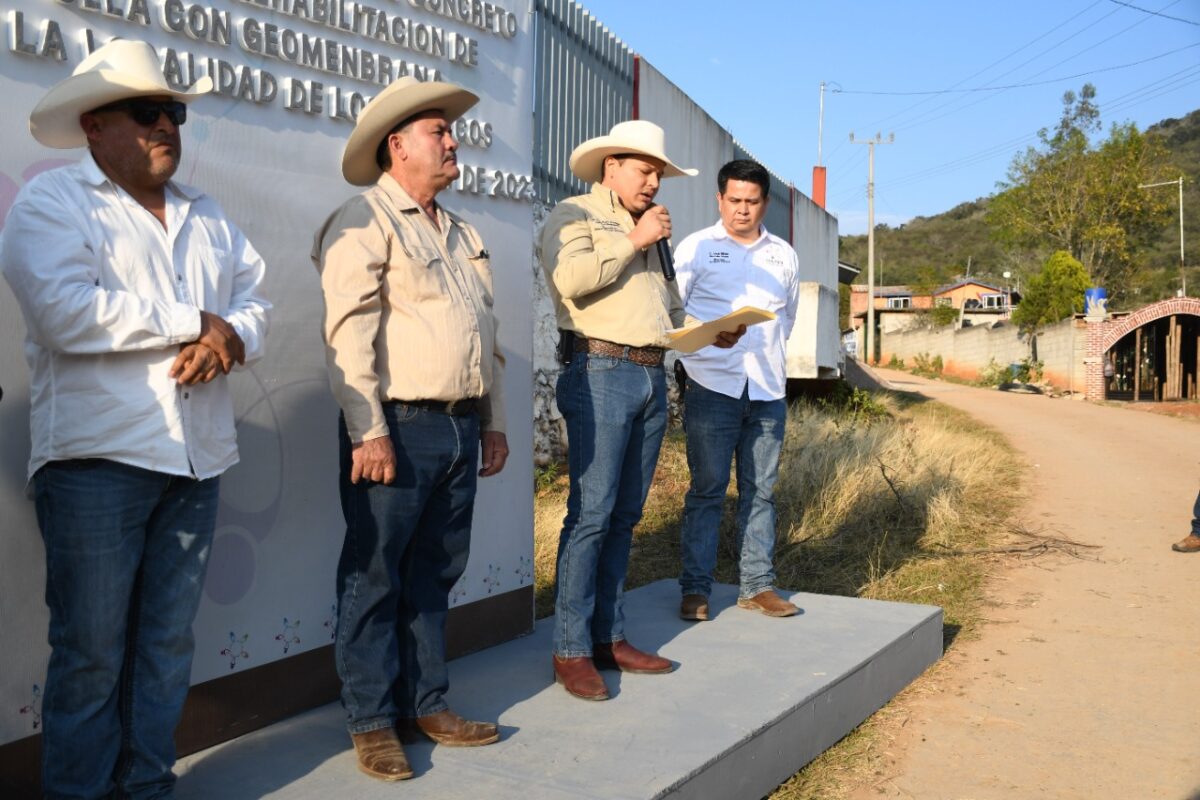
(743, 169)
(383, 153)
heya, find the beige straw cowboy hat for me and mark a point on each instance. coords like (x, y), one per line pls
(121, 69)
(637, 136)
(403, 98)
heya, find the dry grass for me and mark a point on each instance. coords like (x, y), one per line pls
(869, 509)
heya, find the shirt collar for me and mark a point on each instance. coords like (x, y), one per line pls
(404, 201)
(719, 232)
(607, 196)
(92, 174)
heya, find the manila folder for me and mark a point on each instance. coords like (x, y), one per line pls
(691, 338)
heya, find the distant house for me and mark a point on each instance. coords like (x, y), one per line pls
(973, 295)
(969, 294)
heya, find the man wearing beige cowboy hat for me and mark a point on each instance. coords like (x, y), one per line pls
(139, 295)
(416, 368)
(614, 306)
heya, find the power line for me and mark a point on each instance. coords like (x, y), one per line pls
(998, 61)
(1025, 85)
(1155, 13)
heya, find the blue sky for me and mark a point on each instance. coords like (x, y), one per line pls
(756, 66)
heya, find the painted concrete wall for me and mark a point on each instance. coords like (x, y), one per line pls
(968, 351)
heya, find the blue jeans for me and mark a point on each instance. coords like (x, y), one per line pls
(616, 414)
(406, 544)
(718, 428)
(1196, 517)
(126, 552)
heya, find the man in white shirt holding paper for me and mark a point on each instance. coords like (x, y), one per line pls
(734, 399)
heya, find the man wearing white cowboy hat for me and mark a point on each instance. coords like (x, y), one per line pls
(139, 295)
(614, 307)
(416, 368)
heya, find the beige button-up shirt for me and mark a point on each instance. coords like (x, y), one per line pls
(602, 286)
(408, 309)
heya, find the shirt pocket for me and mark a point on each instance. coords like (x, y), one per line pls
(482, 268)
(417, 273)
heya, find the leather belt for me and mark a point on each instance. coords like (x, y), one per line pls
(642, 356)
(453, 408)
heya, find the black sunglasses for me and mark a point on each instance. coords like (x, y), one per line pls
(145, 112)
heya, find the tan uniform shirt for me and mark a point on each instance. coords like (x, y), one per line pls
(602, 286)
(408, 309)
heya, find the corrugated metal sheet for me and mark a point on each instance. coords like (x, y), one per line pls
(584, 86)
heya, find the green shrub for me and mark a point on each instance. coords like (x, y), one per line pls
(895, 363)
(941, 316)
(927, 367)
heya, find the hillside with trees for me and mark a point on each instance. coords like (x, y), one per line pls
(1136, 257)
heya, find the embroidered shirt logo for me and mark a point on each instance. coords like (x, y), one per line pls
(607, 225)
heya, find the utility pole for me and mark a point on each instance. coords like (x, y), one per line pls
(820, 123)
(1182, 271)
(870, 143)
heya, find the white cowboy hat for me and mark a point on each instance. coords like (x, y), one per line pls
(120, 69)
(403, 98)
(636, 136)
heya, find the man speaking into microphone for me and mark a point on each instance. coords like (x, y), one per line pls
(614, 306)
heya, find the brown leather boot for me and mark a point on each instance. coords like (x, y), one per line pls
(694, 608)
(769, 603)
(579, 677)
(627, 658)
(1188, 544)
(448, 728)
(380, 755)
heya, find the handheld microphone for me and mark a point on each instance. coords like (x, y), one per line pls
(665, 259)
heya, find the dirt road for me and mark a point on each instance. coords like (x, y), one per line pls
(1085, 680)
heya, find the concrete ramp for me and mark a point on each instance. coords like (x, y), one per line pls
(753, 700)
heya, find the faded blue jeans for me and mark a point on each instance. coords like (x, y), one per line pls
(616, 414)
(1196, 517)
(406, 544)
(720, 427)
(126, 552)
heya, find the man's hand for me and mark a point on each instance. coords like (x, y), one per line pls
(653, 225)
(219, 336)
(195, 364)
(727, 339)
(495, 453)
(374, 460)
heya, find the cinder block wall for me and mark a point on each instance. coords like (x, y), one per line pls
(966, 352)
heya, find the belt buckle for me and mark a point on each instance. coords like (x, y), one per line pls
(453, 406)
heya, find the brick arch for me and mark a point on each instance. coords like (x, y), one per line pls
(1116, 329)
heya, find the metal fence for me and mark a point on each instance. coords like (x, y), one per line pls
(584, 86)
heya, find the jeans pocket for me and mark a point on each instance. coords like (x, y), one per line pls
(401, 413)
(600, 363)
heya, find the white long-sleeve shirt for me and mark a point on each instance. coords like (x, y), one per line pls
(109, 295)
(717, 275)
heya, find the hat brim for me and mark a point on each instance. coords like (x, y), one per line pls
(383, 112)
(587, 159)
(55, 120)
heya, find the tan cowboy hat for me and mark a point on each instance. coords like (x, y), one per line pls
(636, 136)
(120, 69)
(403, 98)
